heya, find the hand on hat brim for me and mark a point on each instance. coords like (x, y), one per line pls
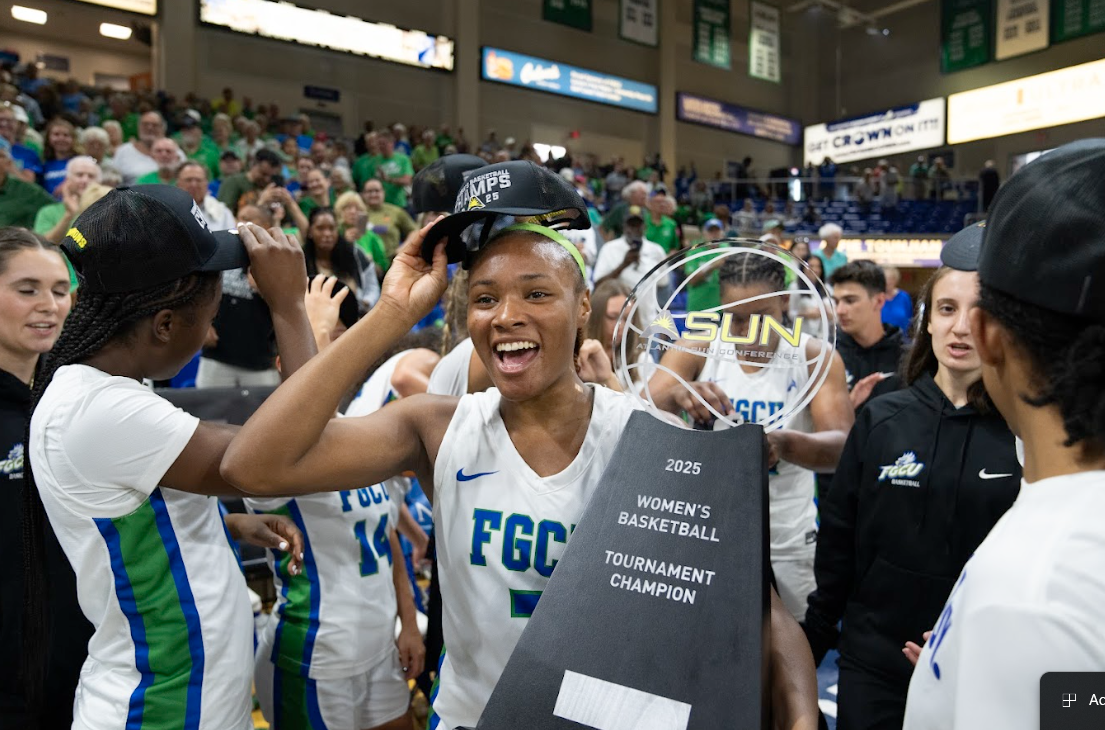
(413, 285)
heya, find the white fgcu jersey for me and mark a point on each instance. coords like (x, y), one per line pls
(500, 530)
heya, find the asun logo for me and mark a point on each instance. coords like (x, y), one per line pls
(13, 465)
(903, 471)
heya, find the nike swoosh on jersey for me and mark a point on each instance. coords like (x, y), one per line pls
(983, 475)
(462, 477)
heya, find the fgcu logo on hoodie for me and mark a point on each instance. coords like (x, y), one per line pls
(13, 465)
(902, 472)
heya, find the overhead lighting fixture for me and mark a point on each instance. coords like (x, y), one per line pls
(111, 30)
(29, 15)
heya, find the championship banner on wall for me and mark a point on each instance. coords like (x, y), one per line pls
(1076, 18)
(573, 13)
(1022, 27)
(966, 28)
(711, 33)
(763, 42)
(893, 131)
(639, 21)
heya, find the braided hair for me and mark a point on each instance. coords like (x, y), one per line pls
(751, 268)
(96, 319)
(1067, 358)
(456, 312)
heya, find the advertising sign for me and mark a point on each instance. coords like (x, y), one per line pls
(763, 43)
(1022, 27)
(1068, 95)
(909, 128)
(732, 118)
(506, 67)
(145, 7)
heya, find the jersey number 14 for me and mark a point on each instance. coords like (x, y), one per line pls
(374, 550)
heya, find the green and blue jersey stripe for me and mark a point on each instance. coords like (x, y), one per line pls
(164, 622)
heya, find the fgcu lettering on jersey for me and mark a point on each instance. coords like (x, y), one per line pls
(481, 190)
(526, 542)
(903, 471)
(13, 465)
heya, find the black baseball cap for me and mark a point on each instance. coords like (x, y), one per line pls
(436, 185)
(1044, 242)
(961, 250)
(519, 189)
(136, 238)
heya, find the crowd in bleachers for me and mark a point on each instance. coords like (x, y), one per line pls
(48, 126)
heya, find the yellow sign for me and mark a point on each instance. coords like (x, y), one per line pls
(1068, 95)
(703, 327)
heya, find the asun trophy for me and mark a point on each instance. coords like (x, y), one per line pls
(657, 614)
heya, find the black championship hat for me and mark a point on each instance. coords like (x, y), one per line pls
(136, 238)
(436, 185)
(961, 250)
(518, 190)
(1044, 242)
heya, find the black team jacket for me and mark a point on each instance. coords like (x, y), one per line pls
(69, 630)
(885, 356)
(918, 487)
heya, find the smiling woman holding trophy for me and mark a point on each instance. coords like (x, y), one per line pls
(512, 469)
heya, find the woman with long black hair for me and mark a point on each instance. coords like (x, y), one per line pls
(327, 253)
(1031, 599)
(925, 474)
(125, 477)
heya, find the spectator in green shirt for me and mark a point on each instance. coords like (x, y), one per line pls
(444, 139)
(166, 153)
(635, 193)
(20, 200)
(364, 167)
(198, 147)
(389, 222)
(660, 228)
(52, 221)
(426, 152)
(245, 187)
(352, 215)
(316, 192)
(394, 170)
(703, 286)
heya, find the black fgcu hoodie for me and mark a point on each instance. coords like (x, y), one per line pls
(885, 356)
(919, 485)
(69, 630)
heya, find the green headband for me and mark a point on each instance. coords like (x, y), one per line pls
(552, 235)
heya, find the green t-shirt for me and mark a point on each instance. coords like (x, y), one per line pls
(20, 202)
(707, 294)
(152, 178)
(48, 216)
(423, 156)
(234, 188)
(394, 223)
(307, 204)
(398, 165)
(373, 245)
(442, 141)
(615, 219)
(665, 233)
(364, 169)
